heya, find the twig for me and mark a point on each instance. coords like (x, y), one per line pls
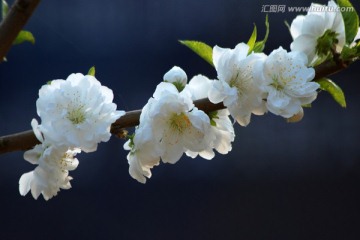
(18, 141)
(14, 22)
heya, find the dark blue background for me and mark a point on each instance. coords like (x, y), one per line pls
(281, 181)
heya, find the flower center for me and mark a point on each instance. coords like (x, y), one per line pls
(278, 83)
(76, 115)
(179, 122)
(241, 80)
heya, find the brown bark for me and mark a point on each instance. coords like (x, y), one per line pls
(14, 22)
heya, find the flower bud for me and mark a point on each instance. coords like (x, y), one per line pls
(176, 76)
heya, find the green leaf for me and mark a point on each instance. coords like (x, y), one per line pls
(201, 49)
(334, 90)
(131, 138)
(92, 71)
(212, 123)
(4, 8)
(349, 53)
(213, 115)
(24, 36)
(287, 25)
(326, 43)
(260, 45)
(252, 40)
(351, 19)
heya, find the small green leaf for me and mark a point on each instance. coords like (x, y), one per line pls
(334, 90)
(212, 123)
(92, 71)
(349, 53)
(351, 19)
(201, 49)
(131, 138)
(260, 45)
(252, 40)
(287, 25)
(4, 8)
(24, 36)
(213, 115)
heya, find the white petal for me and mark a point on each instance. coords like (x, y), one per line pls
(217, 92)
(25, 183)
(207, 154)
(225, 60)
(35, 127)
(172, 153)
(199, 87)
(33, 155)
(191, 154)
(313, 25)
(305, 44)
(296, 26)
(164, 88)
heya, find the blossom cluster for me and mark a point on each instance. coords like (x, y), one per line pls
(170, 124)
(247, 83)
(76, 115)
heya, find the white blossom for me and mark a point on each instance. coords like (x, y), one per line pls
(169, 126)
(287, 81)
(177, 126)
(52, 172)
(77, 112)
(237, 88)
(307, 30)
(222, 130)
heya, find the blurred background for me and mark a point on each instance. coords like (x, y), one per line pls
(281, 181)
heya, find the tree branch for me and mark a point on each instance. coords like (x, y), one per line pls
(14, 22)
(27, 140)
(329, 67)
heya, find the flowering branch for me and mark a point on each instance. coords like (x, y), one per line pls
(181, 117)
(26, 140)
(14, 22)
